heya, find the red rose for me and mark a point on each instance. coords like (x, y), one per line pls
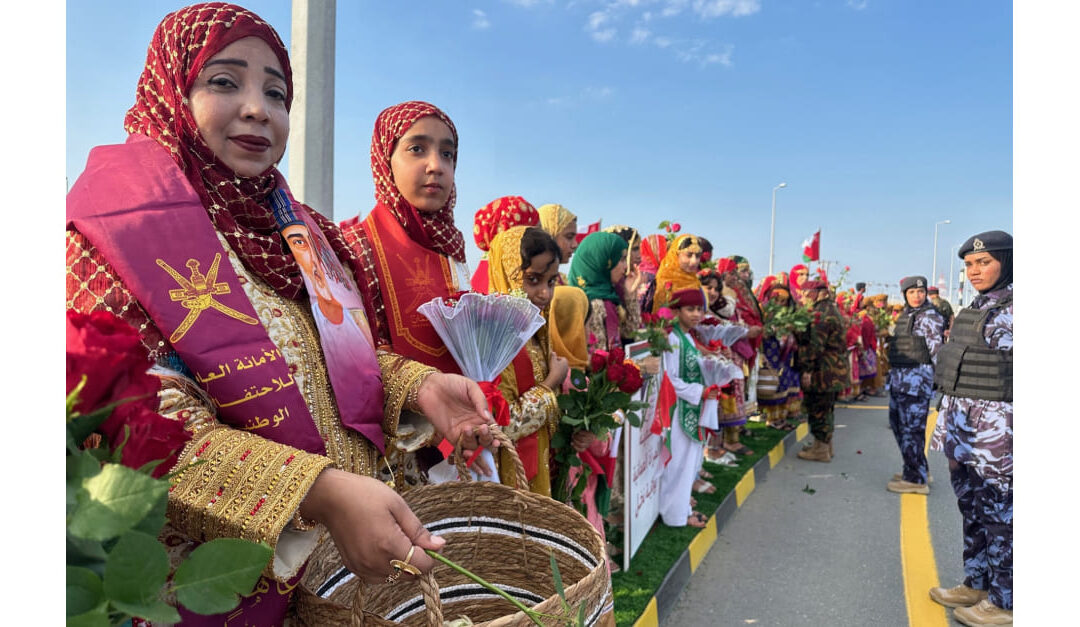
(107, 350)
(706, 256)
(676, 227)
(153, 437)
(616, 356)
(631, 382)
(616, 372)
(646, 318)
(598, 361)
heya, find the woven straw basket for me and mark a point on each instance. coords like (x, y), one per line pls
(502, 534)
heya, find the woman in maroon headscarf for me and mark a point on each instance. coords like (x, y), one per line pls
(227, 308)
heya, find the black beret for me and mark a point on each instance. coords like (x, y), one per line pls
(860, 286)
(986, 242)
(911, 282)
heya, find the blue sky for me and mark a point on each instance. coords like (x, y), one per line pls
(882, 116)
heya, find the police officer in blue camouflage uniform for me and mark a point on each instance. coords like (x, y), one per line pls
(913, 349)
(975, 430)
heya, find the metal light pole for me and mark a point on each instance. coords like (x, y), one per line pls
(952, 256)
(772, 226)
(933, 275)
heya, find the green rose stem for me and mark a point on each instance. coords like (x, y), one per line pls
(533, 615)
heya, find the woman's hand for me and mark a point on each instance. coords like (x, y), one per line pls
(754, 332)
(558, 368)
(370, 524)
(582, 440)
(456, 407)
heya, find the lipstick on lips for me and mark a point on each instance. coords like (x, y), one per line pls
(254, 143)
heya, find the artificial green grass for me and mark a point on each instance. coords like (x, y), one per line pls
(662, 547)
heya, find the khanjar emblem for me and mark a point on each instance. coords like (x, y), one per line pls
(196, 294)
(979, 244)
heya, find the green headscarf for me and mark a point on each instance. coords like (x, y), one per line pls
(590, 269)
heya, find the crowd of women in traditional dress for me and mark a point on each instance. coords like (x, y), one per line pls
(189, 233)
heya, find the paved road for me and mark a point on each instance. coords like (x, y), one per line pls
(830, 557)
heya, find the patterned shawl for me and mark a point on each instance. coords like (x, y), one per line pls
(499, 215)
(590, 269)
(555, 218)
(504, 264)
(239, 207)
(569, 308)
(670, 278)
(653, 249)
(431, 230)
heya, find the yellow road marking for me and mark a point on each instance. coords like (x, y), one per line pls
(931, 422)
(744, 487)
(649, 616)
(702, 542)
(776, 454)
(917, 555)
(802, 430)
(919, 567)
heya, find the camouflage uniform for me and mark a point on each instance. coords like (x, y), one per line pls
(976, 436)
(910, 390)
(823, 354)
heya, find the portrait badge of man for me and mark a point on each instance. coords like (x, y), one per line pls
(328, 286)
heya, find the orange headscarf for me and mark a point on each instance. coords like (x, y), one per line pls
(671, 278)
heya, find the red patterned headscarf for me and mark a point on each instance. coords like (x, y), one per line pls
(499, 215)
(239, 207)
(435, 231)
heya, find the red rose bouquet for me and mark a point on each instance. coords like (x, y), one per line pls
(599, 401)
(655, 331)
(118, 448)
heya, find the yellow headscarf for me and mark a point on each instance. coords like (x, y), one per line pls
(569, 306)
(670, 273)
(554, 218)
(504, 261)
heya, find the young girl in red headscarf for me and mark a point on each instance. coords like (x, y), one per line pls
(411, 252)
(209, 124)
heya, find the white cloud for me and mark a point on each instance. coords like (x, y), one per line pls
(598, 28)
(527, 3)
(858, 5)
(736, 8)
(662, 42)
(480, 21)
(586, 95)
(639, 35)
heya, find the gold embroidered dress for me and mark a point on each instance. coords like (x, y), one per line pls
(535, 409)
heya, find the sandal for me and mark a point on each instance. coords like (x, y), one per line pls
(704, 474)
(697, 519)
(707, 489)
(738, 448)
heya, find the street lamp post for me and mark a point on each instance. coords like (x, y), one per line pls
(952, 256)
(772, 226)
(933, 275)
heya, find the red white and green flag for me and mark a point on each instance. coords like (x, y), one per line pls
(811, 247)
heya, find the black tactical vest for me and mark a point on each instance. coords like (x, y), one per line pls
(905, 349)
(967, 367)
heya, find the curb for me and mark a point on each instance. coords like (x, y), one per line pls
(663, 602)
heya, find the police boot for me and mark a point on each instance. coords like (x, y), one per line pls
(983, 613)
(816, 452)
(957, 596)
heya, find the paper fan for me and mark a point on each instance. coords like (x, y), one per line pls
(718, 370)
(483, 332)
(726, 332)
